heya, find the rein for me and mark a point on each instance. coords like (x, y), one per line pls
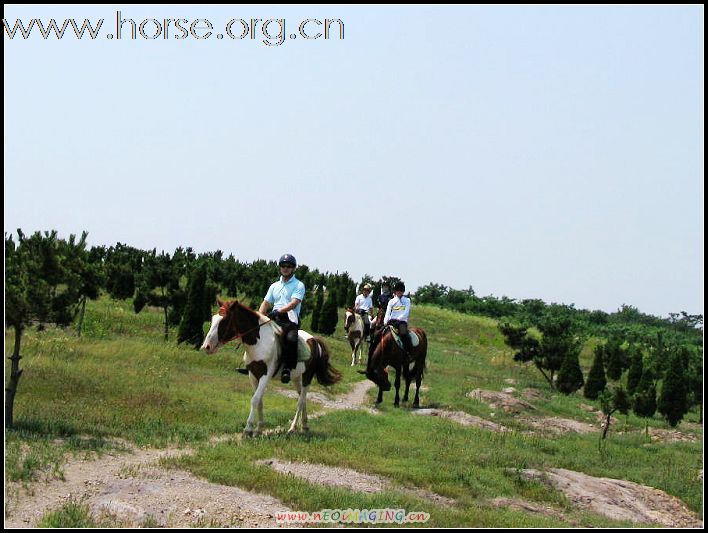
(222, 311)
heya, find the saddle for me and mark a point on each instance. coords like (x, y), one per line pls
(414, 338)
(303, 350)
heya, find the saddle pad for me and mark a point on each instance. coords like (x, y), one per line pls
(414, 338)
(303, 350)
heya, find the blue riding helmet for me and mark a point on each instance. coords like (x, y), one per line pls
(287, 259)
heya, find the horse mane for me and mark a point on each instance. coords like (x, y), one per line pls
(242, 320)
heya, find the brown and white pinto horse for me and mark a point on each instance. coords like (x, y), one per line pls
(387, 352)
(354, 326)
(263, 358)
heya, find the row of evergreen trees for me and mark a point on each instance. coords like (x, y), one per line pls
(49, 279)
(624, 375)
(627, 322)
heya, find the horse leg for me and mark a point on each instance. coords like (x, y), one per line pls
(261, 418)
(302, 394)
(396, 402)
(256, 405)
(379, 398)
(303, 419)
(418, 379)
(407, 377)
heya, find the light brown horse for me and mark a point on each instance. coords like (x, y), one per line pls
(354, 326)
(387, 352)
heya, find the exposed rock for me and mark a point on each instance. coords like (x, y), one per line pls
(618, 499)
(500, 400)
(347, 478)
(517, 504)
(462, 418)
(559, 425)
(532, 394)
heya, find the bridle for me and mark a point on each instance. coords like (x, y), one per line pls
(222, 312)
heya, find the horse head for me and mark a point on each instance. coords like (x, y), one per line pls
(233, 320)
(376, 368)
(348, 318)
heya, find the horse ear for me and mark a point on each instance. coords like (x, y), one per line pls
(219, 302)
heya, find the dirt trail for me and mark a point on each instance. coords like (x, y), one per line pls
(134, 490)
(353, 400)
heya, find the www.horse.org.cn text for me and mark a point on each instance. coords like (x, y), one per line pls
(271, 32)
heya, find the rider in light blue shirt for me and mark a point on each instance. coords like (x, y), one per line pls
(282, 303)
(282, 292)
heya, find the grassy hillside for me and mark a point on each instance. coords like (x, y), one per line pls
(121, 380)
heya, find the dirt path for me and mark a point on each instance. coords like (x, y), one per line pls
(354, 399)
(135, 491)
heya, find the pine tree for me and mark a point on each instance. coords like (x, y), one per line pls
(158, 285)
(673, 400)
(191, 327)
(611, 401)
(43, 285)
(570, 376)
(317, 311)
(614, 359)
(636, 369)
(596, 381)
(644, 401)
(328, 316)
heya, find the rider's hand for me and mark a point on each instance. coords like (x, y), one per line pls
(273, 314)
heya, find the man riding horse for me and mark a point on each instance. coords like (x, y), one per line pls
(363, 306)
(283, 300)
(397, 313)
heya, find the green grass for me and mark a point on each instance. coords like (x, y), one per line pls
(121, 380)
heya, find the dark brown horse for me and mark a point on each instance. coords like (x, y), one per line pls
(387, 352)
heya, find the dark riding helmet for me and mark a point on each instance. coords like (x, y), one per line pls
(287, 259)
(399, 286)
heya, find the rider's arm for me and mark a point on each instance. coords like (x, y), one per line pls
(387, 316)
(267, 303)
(407, 312)
(292, 305)
(265, 307)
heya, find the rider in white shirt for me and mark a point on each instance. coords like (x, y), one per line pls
(397, 313)
(364, 306)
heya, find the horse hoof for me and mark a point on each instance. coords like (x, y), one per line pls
(248, 433)
(396, 405)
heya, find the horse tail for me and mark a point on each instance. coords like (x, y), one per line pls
(326, 374)
(423, 348)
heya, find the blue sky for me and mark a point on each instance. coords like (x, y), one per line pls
(534, 152)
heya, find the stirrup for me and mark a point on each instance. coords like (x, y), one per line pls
(285, 375)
